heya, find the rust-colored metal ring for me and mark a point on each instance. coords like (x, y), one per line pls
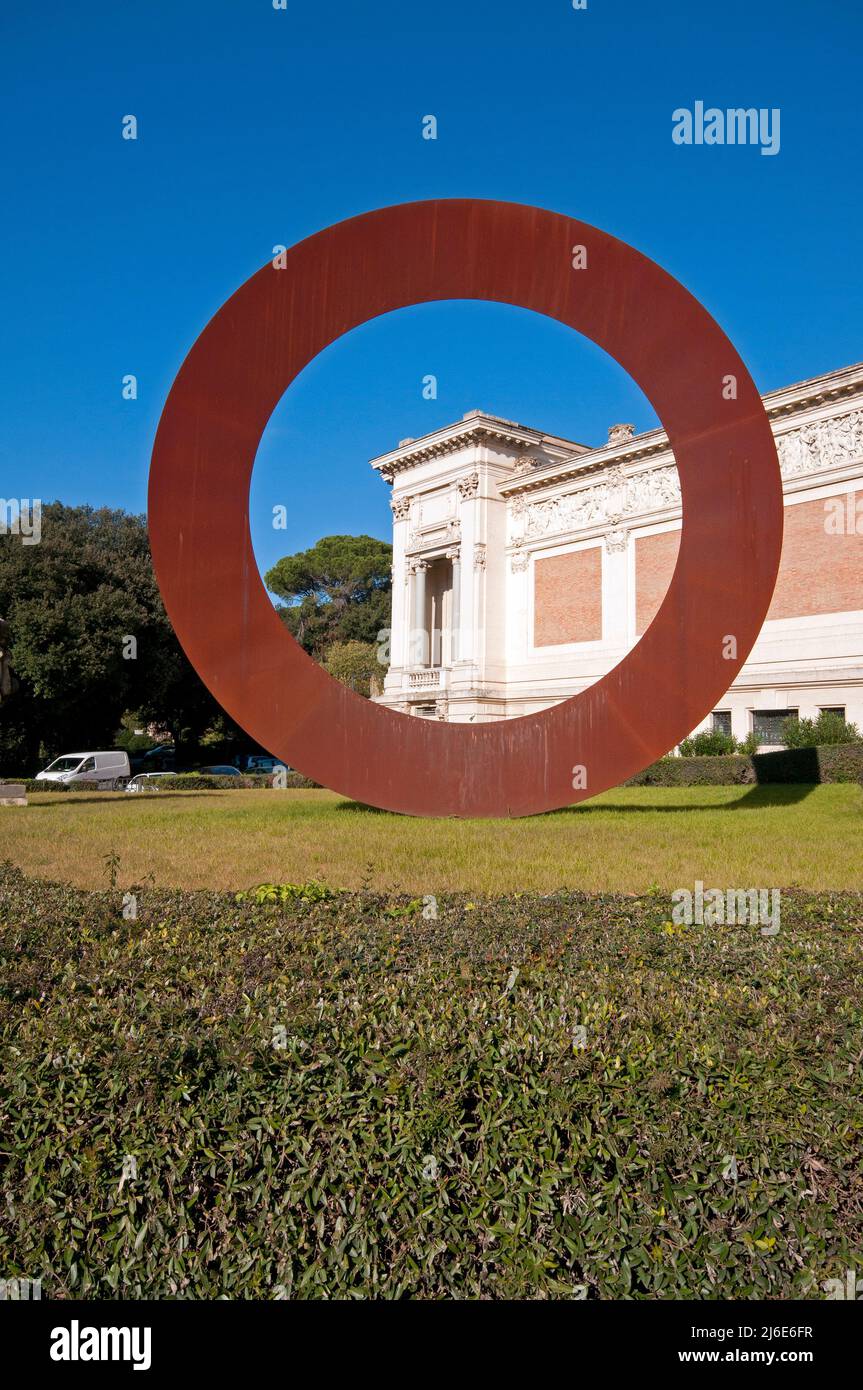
(278, 321)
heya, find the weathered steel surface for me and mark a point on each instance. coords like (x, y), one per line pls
(278, 321)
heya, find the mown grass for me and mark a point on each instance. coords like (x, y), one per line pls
(429, 1123)
(624, 841)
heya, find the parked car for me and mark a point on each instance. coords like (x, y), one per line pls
(262, 762)
(162, 758)
(110, 769)
(220, 770)
(146, 781)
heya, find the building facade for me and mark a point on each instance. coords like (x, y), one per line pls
(526, 566)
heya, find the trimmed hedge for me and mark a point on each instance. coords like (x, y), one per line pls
(182, 781)
(835, 762)
(352, 1095)
(841, 762)
(32, 785)
(723, 770)
(196, 781)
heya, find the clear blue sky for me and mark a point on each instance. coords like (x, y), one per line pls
(259, 127)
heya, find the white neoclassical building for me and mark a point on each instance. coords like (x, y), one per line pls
(525, 566)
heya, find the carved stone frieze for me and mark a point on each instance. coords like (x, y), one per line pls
(821, 444)
(604, 502)
(818, 445)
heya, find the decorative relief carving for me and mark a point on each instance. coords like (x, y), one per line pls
(615, 495)
(616, 540)
(443, 533)
(519, 562)
(605, 502)
(416, 565)
(620, 434)
(401, 507)
(653, 491)
(479, 557)
(822, 444)
(524, 465)
(468, 486)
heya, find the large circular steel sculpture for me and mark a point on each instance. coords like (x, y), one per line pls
(265, 334)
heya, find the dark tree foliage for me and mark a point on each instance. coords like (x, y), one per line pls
(338, 591)
(71, 602)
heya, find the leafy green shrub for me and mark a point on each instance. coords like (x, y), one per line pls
(271, 893)
(828, 728)
(709, 743)
(331, 1102)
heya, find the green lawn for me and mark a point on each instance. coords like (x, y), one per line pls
(623, 841)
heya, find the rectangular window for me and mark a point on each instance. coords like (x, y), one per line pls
(767, 724)
(833, 709)
(722, 721)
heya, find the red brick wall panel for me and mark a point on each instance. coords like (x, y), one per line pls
(568, 598)
(655, 558)
(819, 572)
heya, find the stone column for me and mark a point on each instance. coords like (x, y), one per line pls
(478, 635)
(401, 613)
(615, 617)
(419, 654)
(454, 557)
(470, 520)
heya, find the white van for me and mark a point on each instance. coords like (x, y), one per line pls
(111, 770)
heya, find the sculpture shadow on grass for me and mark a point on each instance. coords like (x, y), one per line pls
(73, 798)
(752, 798)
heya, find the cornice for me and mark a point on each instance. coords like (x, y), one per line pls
(571, 460)
(781, 405)
(816, 390)
(475, 428)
